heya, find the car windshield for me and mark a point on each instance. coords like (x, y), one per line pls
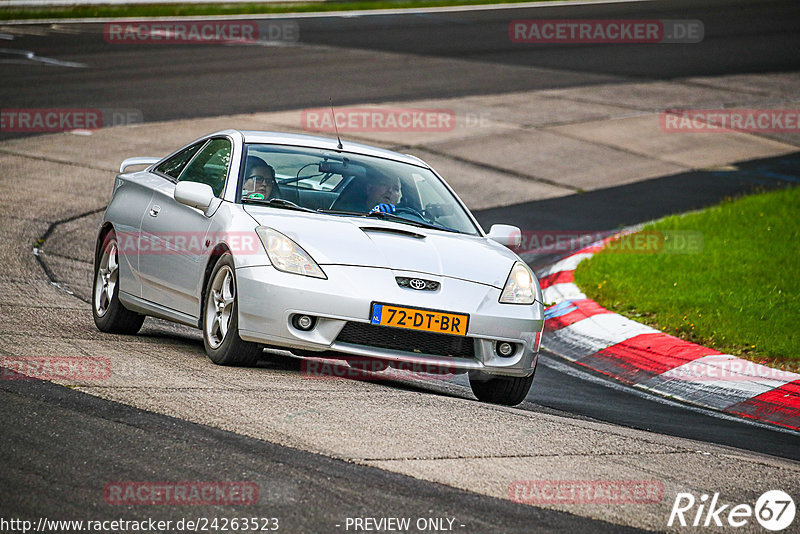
(350, 185)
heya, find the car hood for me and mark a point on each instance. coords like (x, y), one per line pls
(340, 240)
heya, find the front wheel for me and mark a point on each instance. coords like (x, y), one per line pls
(508, 390)
(109, 314)
(220, 319)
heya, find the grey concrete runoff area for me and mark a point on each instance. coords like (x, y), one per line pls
(533, 145)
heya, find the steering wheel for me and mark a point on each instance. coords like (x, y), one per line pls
(410, 211)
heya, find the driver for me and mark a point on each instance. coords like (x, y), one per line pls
(259, 179)
(383, 192)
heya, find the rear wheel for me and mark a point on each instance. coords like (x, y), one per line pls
(221, 319)
(508, 390)
(109, 313)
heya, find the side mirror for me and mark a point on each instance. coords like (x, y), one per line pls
(194, 194)
(505, 234)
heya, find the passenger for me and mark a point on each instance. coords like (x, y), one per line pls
(259, 181)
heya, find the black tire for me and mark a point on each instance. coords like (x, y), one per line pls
(109, 314)
(507, 390)
(221, 336)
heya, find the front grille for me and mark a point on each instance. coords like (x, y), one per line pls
(417, 283)
(386, 337)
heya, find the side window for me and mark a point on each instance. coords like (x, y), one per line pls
(210, 166)
(174, 165)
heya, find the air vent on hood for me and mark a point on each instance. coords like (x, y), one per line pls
(387, 230)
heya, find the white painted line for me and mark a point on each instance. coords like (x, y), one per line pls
(719, 381)
(638, 391)
(333, 14)
(27, 55)
(567, 264)
(601, 331)
(561, 292)
(724, 366)
(718, 394)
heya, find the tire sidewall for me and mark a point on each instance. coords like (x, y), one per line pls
(219, 354)
(105, 320)
(505, 390)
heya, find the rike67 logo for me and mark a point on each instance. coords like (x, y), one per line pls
(774, 510)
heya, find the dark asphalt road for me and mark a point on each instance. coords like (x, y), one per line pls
(61, 447)
(387, 58)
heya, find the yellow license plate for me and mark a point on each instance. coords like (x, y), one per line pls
(419, 319)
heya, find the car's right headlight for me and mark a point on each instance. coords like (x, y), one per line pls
(520, 287)
(286, 255)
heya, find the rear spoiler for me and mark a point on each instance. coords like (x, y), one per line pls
(137, 161)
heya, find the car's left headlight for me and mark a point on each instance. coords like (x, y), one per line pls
(286, 255)
(520, 287)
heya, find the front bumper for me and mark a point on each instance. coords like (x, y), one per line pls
(268, 299)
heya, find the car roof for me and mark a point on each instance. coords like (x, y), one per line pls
(325, 143)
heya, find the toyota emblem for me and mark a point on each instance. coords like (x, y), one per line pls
(416, 283)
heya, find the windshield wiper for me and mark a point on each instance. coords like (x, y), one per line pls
(277, 203)
(341, 212)
(412, 222)
(389, 217)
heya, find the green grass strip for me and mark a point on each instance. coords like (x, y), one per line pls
(182, 10)
(738, 292)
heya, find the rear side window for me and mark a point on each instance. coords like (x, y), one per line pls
(210, 166)
(174, 165)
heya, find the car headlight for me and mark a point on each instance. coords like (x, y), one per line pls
(286, 255)
(520, 287)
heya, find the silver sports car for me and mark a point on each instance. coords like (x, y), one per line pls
(324, 249)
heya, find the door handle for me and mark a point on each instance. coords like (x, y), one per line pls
(154, 211)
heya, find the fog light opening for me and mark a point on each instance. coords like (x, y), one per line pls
(303, 322)
(505, 349)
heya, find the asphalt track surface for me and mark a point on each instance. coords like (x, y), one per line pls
(64, 445)
(389, 58)
(456, 54)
